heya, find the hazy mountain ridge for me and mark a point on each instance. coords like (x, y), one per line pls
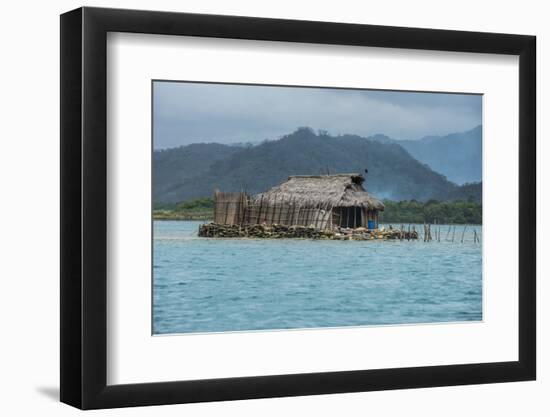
(458, 156)
(196, 170)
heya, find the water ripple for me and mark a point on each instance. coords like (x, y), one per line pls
(213, 285)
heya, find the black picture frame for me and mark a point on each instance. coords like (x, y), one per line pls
(84, 207)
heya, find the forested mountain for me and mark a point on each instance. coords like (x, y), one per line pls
(175, 165)
(196, 170)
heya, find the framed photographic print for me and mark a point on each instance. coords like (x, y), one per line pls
(258, 208)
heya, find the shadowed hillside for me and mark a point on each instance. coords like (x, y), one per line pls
(172, 166)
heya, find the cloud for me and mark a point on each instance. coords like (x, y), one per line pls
(198, 112)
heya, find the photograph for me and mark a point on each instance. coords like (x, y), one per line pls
(300, 207)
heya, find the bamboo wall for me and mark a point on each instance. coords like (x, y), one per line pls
(288, 212)
(229, 208)
(238, 208)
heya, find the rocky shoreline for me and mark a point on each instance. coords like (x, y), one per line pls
(263, 231)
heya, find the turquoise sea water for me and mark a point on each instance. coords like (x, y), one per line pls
(215, 285)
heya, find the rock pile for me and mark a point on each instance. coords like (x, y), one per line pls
(362, 233)
(276, 231)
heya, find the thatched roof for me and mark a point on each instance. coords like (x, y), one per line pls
(344, 190)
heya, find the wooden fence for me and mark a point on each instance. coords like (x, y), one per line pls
(289, 213)
(238, 208)
(462, 233)
(229, 208)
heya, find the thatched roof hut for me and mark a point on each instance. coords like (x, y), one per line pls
(340, 190)
(319, 201)
(324, 201)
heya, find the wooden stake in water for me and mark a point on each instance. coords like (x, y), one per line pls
(464, 231)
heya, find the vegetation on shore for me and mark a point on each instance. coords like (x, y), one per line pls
(198, 209)
(432, 211)
(409, 211)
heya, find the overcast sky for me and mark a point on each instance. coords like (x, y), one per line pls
(187, 113)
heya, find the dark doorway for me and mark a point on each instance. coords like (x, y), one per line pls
(350, 217)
